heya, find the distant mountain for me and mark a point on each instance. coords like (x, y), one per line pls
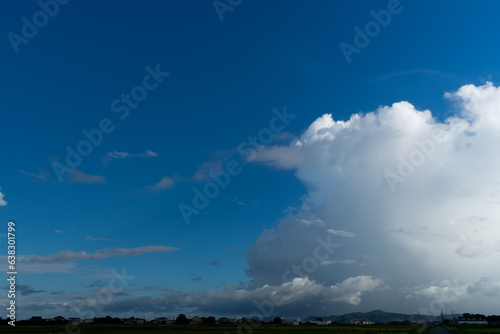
(381, 317)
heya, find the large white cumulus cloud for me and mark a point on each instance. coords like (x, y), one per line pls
(409, 199)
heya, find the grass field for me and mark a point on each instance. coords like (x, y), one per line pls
(473, 330)
(264, 329)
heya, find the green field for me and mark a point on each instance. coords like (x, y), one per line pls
(473, 330)
(263, 329)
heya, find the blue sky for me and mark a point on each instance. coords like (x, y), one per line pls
(225, 78)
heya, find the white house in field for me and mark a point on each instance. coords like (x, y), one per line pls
(291, 321)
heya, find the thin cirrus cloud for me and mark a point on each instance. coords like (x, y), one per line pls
(330, 262)
(64, 261)
(41, 174)
(124, 155)
(25, 290)
(77, 176)
(88, 237)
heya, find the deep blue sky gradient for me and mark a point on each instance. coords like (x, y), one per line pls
(225, 79)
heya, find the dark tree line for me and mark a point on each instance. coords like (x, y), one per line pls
(183, 320)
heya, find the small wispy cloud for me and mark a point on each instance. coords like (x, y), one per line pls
(41, 174)
(2, 201)
(153, 287)
(284, 136)
(251, 204)
(237, 201)
(206, 169)
(88, 237)
(329, 262)
(213, 263)
(124, 155)
(416, 71)
(341, 233)
(64, 262)
(195, 278)
(165, 183)
(25, 290)
(213, 166)
(316, 222)
(58, 231)
(77, 176)
(96, 284)
(235, 286)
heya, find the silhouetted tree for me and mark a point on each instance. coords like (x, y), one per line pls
(277, 321)
(210, 321)
(182, 320)
(493, 320)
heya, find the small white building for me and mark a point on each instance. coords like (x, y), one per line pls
(291, 321)
(160, 321)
